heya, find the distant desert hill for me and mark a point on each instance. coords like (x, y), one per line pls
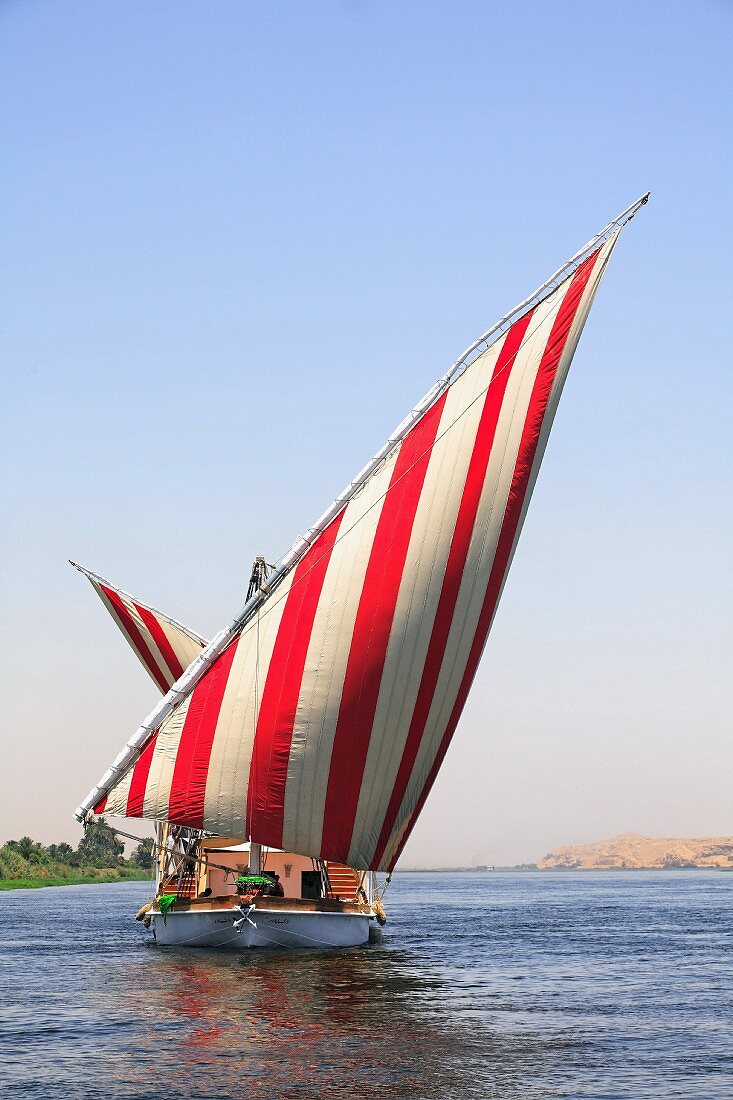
(631, 850)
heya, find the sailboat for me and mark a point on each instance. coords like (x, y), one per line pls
(290, 756)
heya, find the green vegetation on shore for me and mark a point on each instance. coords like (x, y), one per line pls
(26, 864)
(67, 877)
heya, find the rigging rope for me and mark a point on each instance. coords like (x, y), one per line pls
(188, 858)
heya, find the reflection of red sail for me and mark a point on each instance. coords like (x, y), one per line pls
(374, 1023)
(267, 1021)
(196, 995)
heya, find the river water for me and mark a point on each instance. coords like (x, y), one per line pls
(516, 986)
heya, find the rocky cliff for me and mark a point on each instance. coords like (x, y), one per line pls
(631, 850)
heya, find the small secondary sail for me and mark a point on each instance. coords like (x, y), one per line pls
(164, 646)
(321, 726)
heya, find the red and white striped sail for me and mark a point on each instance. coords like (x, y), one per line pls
(164, 646)
(321, 727)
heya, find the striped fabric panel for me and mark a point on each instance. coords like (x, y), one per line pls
(482, 506)
(375, 620)
(188, 783)
(231, 755)
(322, 728)
(165, 648)
(163, 763)
(424, 578)
(116, 801)
(450, 696)
(282, 688)
(325, 668)
(390, 776)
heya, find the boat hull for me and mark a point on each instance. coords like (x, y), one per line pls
(228, 929)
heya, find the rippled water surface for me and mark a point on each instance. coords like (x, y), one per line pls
(484, 985)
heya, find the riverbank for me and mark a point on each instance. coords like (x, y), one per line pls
(93, 876)
(26, 864)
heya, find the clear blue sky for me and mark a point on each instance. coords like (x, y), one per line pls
(240, 240)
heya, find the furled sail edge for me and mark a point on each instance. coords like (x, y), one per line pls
(190, 678)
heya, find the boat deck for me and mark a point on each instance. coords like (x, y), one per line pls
(232, 901)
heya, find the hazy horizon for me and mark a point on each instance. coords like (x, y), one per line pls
(240, 246)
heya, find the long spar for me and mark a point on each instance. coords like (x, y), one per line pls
(187, 682)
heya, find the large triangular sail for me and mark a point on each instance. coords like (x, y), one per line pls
(318, 720)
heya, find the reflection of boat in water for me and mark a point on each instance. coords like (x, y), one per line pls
(314, 724)
(310, 1030)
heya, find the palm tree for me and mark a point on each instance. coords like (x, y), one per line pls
(29, 850)
(25, 846)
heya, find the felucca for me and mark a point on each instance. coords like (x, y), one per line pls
(291, 755)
